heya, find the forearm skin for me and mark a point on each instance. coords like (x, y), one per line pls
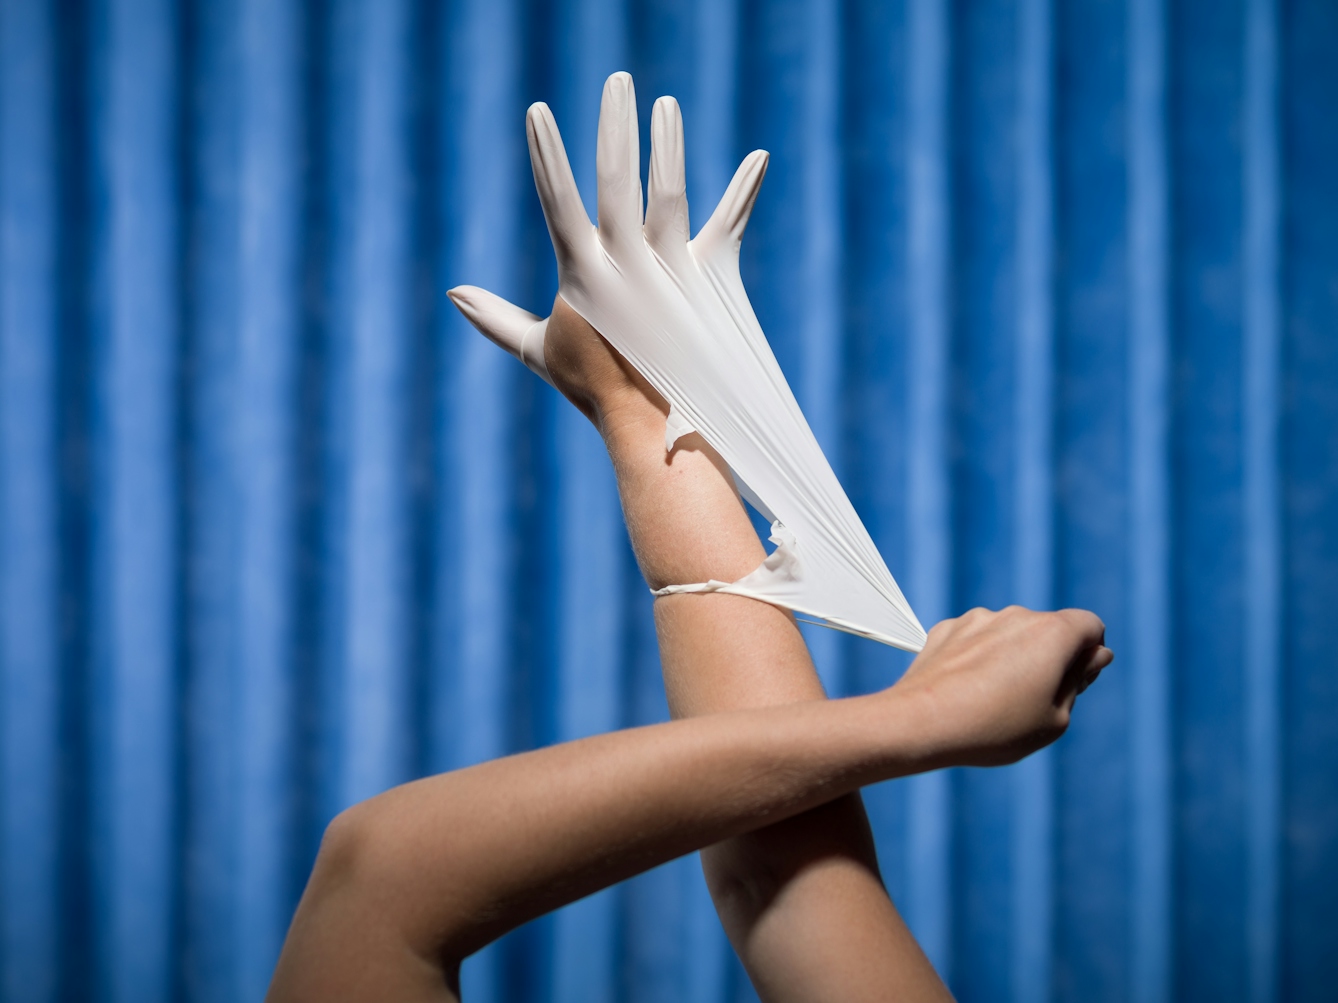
(802, 901)
(412, 881)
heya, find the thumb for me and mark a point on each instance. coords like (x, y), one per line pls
(518, 331)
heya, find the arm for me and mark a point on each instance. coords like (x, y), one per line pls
(802, 901)
(410, 882)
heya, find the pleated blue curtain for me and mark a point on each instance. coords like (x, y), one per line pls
(1054, 282)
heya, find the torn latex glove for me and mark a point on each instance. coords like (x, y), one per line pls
(677, 311)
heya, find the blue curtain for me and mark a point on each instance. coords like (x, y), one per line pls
(1056, 283)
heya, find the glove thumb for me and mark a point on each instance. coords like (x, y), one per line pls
(724, 230)
(518, 331)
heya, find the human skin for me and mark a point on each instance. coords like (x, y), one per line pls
(802, 901)
(409, 883)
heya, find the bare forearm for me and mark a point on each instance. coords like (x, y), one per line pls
(801, 900)
(687, 524)
(439, 867)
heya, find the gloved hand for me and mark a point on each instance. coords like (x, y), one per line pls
(676, 309)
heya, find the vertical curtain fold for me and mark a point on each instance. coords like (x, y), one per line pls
(1054, 282)
(1149, 500)
(134, 499)
(30, 611)
(1033, 820)
(929, 501)
(1093, 919)
(1261, 475)
(269, 198)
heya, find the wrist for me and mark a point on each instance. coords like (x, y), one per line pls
(902, 734)
(631, 426)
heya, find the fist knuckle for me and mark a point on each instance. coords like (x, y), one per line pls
(940, 630)
(977, 616)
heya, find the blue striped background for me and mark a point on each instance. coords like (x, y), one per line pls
(1055, 280)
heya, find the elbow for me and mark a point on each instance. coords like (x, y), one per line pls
(345, 840)
(347, 862)
(359, 914)
(369, 866)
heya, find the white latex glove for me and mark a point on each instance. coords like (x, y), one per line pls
(676, 309)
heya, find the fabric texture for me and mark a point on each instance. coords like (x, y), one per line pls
(279, 529)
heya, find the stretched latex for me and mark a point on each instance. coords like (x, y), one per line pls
(675, 308)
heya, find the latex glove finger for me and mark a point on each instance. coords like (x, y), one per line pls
(568, 225)
(724, 230)
(667, 200)
(518, 331)
(618, 165)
